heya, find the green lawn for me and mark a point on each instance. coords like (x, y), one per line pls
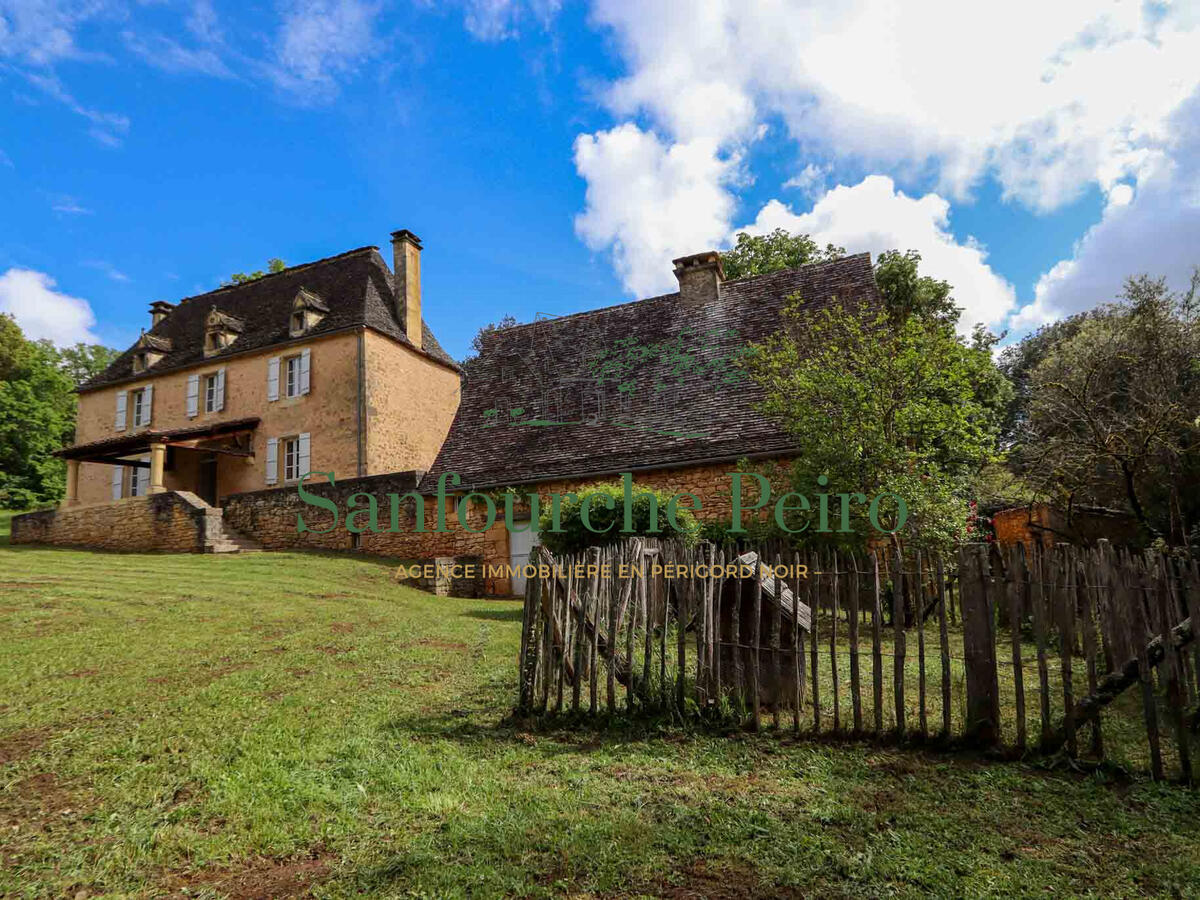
(276, 724)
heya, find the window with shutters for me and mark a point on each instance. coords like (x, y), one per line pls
(140, 413)
(291, 386)
(291, 459)
(210, 393)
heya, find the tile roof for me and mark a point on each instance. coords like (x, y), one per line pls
(356, 286)
(644, 384)
(139, 440)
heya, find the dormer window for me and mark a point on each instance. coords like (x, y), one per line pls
(307, 310)
(220, 330)
(148, 351)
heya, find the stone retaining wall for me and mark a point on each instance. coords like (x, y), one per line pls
(270, 517)
(174, 521)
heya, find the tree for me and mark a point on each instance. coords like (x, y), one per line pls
(481, 338)
(82, 361)
(37, 412)
(876, 407)
(15, 351)
(1018, 361)
(1114, 410)
(884, 399)
(759, 254)
(273, 265)
(906, 292)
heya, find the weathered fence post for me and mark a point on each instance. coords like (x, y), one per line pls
(979, 647)
(898, 647)
(944, 638)
(876, 646)
(855, 687)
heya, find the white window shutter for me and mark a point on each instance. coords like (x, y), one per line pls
(147, 401)
(305, 363)
(302, 461)
(117, 473)
(220, 388)
(272, 459)
(122, 398)
(193, 396)
(273, 378)
(143, 477)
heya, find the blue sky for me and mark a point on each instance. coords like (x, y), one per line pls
(555, 156)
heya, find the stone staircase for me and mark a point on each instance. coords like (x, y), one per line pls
(219, 537)
(230, 541)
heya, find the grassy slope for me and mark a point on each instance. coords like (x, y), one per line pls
(257, 725)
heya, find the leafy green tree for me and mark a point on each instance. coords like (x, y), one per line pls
(37, 412)
(877, 406)
(82, 361)
(1114, 410)
(273, 265)
(879, 400)
(15, 351)
(907, 293)
(1018, 362)
(763, 253)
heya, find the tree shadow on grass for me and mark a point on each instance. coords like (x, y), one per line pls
(555, 736)
(496, 615)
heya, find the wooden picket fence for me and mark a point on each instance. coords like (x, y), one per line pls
(824, 643)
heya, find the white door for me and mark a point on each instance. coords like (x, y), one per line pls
(519, 545)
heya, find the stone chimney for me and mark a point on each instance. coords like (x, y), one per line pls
(159, 310)
(700, 277)
(406, 282)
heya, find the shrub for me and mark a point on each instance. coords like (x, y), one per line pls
(607, 523)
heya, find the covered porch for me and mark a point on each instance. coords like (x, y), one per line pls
(181, 459)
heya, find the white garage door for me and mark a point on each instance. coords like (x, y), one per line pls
(519, 545)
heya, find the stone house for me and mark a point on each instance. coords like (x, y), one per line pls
(650, 387)
(327, 365)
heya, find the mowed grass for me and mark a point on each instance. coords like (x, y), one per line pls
(287, 724)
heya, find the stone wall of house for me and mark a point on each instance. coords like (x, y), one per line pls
(329, 412)
(173, 521)
(411, 401)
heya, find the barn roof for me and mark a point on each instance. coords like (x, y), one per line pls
(647, 384)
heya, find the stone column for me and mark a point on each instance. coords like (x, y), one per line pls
(158, 455)
(72, 483)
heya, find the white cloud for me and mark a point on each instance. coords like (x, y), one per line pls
(1151, 229)
(69, 205)
(42, 32)
(650, 202)
(43, 312)
(810, 180)
(1057, 96)
(169, 55)
(498, 20)
(1049, 99)
(321, 41)
(107, 268)
(49, 83)
(874, 216)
